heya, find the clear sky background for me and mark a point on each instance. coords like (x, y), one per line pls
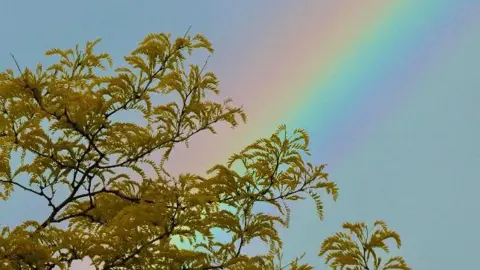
(388, 90)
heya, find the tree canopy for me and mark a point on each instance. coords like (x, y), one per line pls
(91, 170)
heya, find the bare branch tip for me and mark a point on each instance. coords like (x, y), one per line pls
(205, 64)
(188, 30)
(16, 63)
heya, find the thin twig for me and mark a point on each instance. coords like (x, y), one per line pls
(16, 63)
(205, 64)
(188, 30)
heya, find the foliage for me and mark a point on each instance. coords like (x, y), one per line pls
(344, 252)
(63, 117)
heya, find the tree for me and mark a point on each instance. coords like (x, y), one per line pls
(63, 118)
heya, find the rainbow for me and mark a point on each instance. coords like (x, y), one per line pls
(333, 69)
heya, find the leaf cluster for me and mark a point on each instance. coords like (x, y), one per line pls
(358, 247)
